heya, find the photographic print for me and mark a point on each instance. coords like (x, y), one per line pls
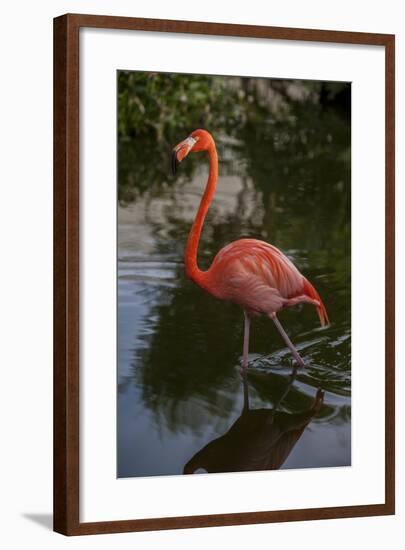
(212, 274)
(233, 274)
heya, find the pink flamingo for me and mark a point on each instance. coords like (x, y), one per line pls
(248, 272)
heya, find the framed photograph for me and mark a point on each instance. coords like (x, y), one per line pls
(223, 274)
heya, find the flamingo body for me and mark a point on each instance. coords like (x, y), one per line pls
(253, 274)
(260, 278)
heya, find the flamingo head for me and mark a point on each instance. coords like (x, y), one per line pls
(199, 140)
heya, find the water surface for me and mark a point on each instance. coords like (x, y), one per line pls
(182, 402)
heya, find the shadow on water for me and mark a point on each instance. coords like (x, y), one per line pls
(284, 178)
(260, 439)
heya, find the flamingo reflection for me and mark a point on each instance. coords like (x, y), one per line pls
(260, 439)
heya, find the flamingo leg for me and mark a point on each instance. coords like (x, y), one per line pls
(245, 362)
(287, 340)
(245, 391)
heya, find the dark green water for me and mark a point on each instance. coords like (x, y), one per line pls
(179, 350)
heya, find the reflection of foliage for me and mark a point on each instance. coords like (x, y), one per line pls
(174, 372)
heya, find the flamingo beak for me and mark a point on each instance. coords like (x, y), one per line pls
(181, 151)
(175, 162)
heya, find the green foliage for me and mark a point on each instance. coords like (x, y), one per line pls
(166, 106)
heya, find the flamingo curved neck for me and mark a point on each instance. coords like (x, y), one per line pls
(191, 251)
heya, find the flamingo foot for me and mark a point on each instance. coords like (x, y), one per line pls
(299, 362)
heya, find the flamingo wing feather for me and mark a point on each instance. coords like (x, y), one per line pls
(260, 278)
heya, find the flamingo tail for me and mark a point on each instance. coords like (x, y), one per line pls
(310, 291)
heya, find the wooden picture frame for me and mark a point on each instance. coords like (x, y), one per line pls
(67, 284)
